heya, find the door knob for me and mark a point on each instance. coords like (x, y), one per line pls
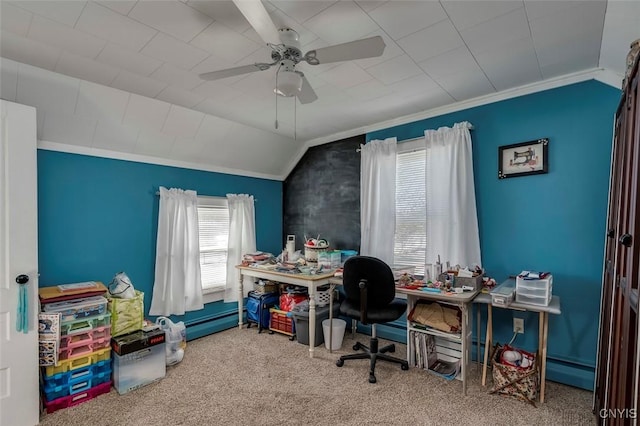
(626, 240)
(22, 279)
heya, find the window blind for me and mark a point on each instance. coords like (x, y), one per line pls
(411, 235)
(214, 238)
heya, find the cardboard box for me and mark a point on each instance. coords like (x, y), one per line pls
(136, 341)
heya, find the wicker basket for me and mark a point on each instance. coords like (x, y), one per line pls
(518, 382)
(263, 287)
(311, 253)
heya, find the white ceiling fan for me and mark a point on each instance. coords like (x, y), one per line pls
(286, 54)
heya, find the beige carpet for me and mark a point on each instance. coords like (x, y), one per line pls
(240, 377)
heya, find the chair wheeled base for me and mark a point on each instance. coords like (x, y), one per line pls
(372, 353)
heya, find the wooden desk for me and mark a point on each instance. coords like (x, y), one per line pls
(312, 282)
(461, 300)
(543, 328)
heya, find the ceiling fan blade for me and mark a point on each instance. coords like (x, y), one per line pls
(259, 19)
(230, 72)
(307, 94)
(359, 49)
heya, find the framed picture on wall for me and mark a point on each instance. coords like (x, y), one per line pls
(523, 159)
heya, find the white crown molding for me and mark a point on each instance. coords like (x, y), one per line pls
(602, 75)
(610, 78)
(95, 152)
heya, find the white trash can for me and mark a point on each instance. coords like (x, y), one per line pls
(337, 334)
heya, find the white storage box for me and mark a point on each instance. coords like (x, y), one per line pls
(502, 295)
(534, 292)
(139, 368)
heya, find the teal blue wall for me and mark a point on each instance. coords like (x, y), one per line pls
(99, 216)
(553, 222)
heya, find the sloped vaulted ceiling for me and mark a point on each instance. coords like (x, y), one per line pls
(120, 78)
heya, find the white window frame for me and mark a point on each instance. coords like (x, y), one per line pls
(404, 147)
(213, 294)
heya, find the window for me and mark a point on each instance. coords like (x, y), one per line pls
(213, 222)
(411, 212)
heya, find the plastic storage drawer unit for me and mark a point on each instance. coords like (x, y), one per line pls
(79, 308)
(534, 292)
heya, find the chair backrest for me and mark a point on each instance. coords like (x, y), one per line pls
(381, 288)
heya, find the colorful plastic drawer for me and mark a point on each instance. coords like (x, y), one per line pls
(85, 324)
(81, 362)
(77, 381)
(78, 308)
(78, 398)
(87, 338)
(82, 350)
(61, 379)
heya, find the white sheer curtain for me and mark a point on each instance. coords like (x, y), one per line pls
(242, 240)
(378, 198)
(452, 220)
(177, 287)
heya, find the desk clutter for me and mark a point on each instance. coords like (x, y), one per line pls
(454, 279)
(284, 309)
(92, 337)
(318, 257)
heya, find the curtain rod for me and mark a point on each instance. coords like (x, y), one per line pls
(211, 196)
(470, 127)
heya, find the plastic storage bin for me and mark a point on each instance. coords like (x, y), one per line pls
(78, 398)
(502, 295)
(76, 381)
(60, 379)
(78, 308)
(301, 321)
(92, 337)
(85, 324)
(136, 369)
(81, 362)
(347, 254)
(534, 292)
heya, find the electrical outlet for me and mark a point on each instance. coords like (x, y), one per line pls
(518, 325)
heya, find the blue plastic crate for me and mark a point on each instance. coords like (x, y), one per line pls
(76, 381)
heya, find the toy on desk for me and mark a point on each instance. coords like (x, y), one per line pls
(405, 280)
(488, 284)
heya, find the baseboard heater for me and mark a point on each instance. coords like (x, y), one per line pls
(211, 324)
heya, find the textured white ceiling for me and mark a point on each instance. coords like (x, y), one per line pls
(123, 75)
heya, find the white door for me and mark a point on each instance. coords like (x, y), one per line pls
(19, 401)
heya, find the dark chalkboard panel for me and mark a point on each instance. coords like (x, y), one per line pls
(322, 195)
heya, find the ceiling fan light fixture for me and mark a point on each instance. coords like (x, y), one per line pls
(289, 83)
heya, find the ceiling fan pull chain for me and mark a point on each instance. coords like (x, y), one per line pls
(295, 118)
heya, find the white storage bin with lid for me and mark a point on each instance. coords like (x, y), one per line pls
(502, 295)
(534, 292)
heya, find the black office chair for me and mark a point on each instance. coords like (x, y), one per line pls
(370, 298)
